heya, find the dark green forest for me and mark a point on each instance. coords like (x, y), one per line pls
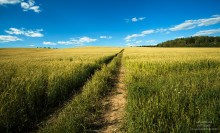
(197, 41)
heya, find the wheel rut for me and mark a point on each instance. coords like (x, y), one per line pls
(114, 105)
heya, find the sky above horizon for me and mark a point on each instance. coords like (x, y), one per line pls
(73, 23)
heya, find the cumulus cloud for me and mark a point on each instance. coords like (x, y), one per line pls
(28, 33)
(135, 19)
(207, 32)
(30, 5)
(190, 24)
(143, 33)
(79, 41)
(6, 2)
(105, 37)
(86, 40)
(49, 43)
(25, 5)
(9, 38)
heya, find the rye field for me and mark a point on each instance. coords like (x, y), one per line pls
(62, 90)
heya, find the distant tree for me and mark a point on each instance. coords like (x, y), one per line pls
(197, 41)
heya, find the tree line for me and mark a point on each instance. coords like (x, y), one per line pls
(197, 41)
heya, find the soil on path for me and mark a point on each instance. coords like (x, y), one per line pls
(115, 105)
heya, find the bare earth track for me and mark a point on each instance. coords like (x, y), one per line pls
(115, 102)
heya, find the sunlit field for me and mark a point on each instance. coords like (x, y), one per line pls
(61, 90)
(33, 81)
(109, 66)
(172, 89)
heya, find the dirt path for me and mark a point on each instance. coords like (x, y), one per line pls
(115, 104)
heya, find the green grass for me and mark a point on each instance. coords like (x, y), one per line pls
(83, 110)
(171, 91)
(33, 84)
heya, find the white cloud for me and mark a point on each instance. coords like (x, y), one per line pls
(66, 42)
(209, 21)
(25, 5)
(49, 43)
(30, 5)
(142, 18)
(79, 41)
(86, 40)
(5, 2)
(105, 37)
(190, 24)
(141, 43)
(161, 30)
(129, 37)
(28, 33)
(32, 45)
(35, 9)
(14, 31)
(207, 32)
(35, 33)
(143, 33)
(9, 38)
(135, 19)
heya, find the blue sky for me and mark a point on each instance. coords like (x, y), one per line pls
(71, 23)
